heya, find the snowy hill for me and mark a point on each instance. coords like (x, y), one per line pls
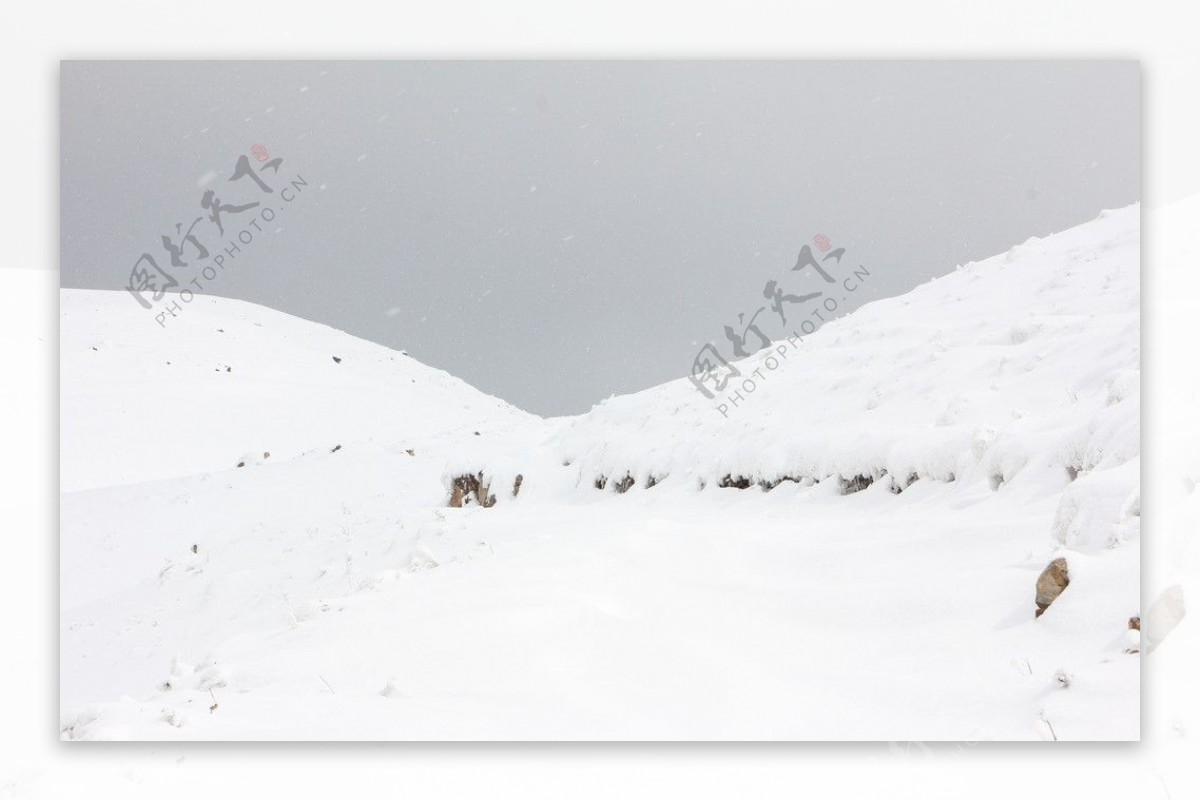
(1014, 371)
(850, 553)
(227, 379)
(1014, 365)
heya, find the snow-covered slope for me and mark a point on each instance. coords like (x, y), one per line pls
(1021, 370)
(225, 380)
(906, 474)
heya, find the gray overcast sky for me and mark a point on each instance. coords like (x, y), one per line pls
(556, 232)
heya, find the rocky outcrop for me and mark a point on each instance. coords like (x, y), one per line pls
(858, 483)
(469, 490)
(624, 484)
(735, 482)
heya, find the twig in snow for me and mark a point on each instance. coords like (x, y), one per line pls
(330, 686)
(1050, 726)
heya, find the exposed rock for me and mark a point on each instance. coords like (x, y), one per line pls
(768, 484)
(740, 482)
(858, 483)
(1050, 584)
(517, 484)
(460, 489)
(467, 490)
(898, 486)
(624, 484)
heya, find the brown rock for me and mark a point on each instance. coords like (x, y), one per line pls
(1050, 584)
(464, 487)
